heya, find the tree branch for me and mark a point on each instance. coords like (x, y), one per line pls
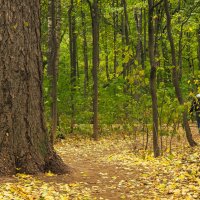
(157, 4)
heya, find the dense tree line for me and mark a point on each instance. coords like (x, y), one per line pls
(122, 60)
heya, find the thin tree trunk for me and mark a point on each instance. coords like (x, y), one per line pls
(73, 59)
(175, 76)
(85, 53)
(58, 39)
(126, 22)
(94, 10)
(139, 52)
(198, 51)
(115, 22)
(123, 48)
(180, 46)
(52, 66)
(106, 56)
(145, 40)
(153, 87)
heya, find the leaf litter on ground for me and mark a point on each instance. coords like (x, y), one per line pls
(110, 169)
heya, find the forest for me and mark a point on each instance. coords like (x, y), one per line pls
(99, 99)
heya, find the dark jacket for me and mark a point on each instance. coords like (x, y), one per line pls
(195, 105)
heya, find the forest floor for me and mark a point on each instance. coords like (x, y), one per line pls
(113, 168)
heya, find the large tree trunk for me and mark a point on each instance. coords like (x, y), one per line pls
(175, 76)
(24, 141)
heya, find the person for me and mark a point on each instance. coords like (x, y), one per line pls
(196, 107)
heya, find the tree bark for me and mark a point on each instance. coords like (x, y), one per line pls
(115, 27)
(125, 41)
(106, 56)
(94, 10)
(175, 79)
(153, 87)
(85, 53)
(139, 50)
(73, 59)
(144, 39)
(198, 51)
(53, 44)
(24, 141)
(95, 34)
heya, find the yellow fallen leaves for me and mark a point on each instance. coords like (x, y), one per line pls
(28, 188)
(50, 174)
(132, 175)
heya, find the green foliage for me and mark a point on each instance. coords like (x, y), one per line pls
(124, 100)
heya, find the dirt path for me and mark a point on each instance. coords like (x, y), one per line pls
(106, 181)
(94, 166)
(110, 169)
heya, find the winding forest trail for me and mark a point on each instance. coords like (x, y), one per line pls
(114, 168)
(106, 180)
(110, 169)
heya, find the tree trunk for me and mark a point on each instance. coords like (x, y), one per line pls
(85, 53)
(53, 66)
(59, 40)
(175, 76)
(94, 10)
(126, 22)
(180, 48)
(145, 40)
(73, 60)
(115, 26)
(198, 51)
(139, 50)
(106, 56)
(125, 42)
(95, 34)
(23, 135)
(123, 47)
(153, 87)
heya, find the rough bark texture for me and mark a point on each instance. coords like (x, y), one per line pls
(24, 141)
(153, 88)
(175, 79)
